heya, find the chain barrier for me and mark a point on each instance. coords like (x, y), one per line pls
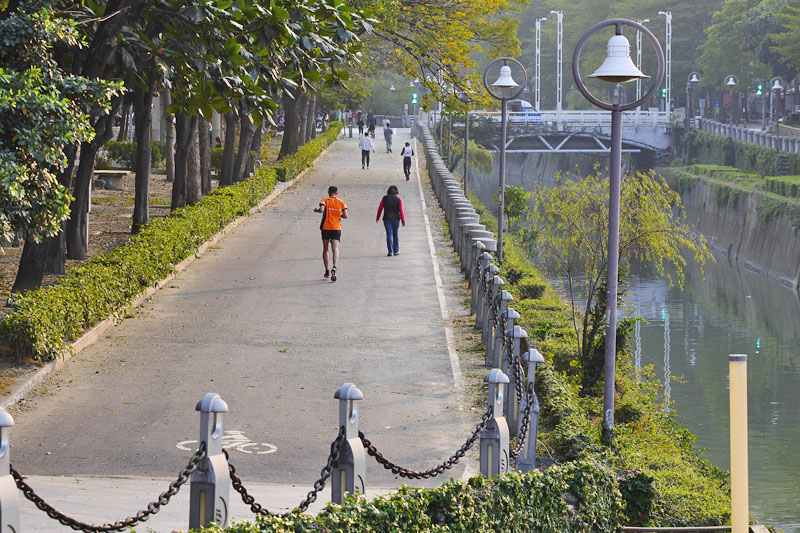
(311, 497)
(120, 525)
(438, 469)
(526, 418)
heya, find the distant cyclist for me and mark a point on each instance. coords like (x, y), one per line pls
(333, 210)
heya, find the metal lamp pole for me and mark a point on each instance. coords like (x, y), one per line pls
(617, 68)
(505, 81)
(559, 64)
(668, 77)
(639, 58)
(731, 84)
(691, 82)
(775, 88)
(538, 73)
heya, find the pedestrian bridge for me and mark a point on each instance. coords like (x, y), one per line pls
(584, 131)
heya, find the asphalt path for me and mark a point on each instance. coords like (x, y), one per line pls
(254, 320)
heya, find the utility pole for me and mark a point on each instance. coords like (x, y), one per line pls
(668, 76)
(559, 77)
(538, 77)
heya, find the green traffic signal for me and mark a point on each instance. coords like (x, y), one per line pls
(758, 90)
(414, 98)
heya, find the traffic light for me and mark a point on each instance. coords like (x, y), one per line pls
(758, 90)
(414, 98)
(664, 93)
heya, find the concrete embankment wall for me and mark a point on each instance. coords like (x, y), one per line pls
(771, 248)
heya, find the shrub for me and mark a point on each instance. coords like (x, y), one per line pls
(44, 320)
(125, 153)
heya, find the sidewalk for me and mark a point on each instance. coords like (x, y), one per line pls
(254, 321)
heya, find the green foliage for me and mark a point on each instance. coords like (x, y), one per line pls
(788, 186)
(42, 112)
(709, 149)
(580, 496)
(43, 321)
(124, 153)
(516, 201)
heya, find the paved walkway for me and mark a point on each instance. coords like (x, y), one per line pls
(254, 321)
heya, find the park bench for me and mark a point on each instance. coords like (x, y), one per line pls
(110, 179)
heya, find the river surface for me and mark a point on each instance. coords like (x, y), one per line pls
(687, 338)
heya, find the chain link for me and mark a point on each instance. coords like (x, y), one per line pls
(522, 435)
(311, 497)
(120, 525)
(438, 469)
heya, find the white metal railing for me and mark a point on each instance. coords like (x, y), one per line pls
(582, 119)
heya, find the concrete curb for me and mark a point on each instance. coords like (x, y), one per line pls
(90, 336)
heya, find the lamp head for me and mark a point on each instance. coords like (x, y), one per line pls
(392, 88)
(731, 82)
(694, 78)
(777, 85)
(618, 67)
(505, 81)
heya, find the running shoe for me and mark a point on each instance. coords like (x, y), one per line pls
(333, 274)
(327, 274)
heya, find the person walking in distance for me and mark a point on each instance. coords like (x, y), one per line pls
(333, 210)
(371, 122)
(366, 145)
(360, 124)
(407, 153)
(393, 216)
(387, 136)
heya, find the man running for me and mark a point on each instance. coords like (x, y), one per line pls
(407, 153)
(333, 210)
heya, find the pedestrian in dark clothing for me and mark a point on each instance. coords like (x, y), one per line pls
(360, 125)
(407, 153)
(393, 216)
(371, 122)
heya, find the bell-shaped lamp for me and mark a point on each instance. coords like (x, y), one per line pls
(777, 86)
(392, 88)
(694, 78)
(731, 82)
(618, 67)
(505, 81)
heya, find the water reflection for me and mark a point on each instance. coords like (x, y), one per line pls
(731, 311)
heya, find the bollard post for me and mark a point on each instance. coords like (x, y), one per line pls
(494, 348)
(511, 317)
(474, 275)
(210, 483)
(485, 295)
(740, 496)
(484, 259)
(9, 494)
(349, 473)
(527, 457)
(494, 437)
(512, 407)
(488, 319)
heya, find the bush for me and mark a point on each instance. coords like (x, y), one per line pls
(788, 186)
(291, 165)
(125, 153)
(704, 147)
(44, 320)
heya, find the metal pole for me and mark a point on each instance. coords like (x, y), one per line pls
(668, 75)
(688, 105)
(449, 137)
(466, 150)
(613, 271)
(559, 63)
(639, 61)
(502, 192)
(740, 497)
(537, 85)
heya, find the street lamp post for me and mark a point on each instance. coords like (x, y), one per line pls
(465, 97)
(639, 58)
(668, 76)
(538, 73)
(617, 68)
(504, 82)
(559, 63)
(691, 83)
(731, 83)
(775, 87)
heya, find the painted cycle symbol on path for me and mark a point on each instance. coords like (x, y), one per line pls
(235, 440)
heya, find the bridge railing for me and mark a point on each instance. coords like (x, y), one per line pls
(760, 138)
(582, 119)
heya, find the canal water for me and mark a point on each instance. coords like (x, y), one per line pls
(687, 338)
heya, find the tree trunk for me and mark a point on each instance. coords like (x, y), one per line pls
(246, 134)
(31, 267)
(125, 112)
(311, 124)
(302, 112)
(205, 155)
(57, 246)
(194, 187)
(76, 225)
(229, 152)
(256, 144)
(290, 142)
(169, 148)
(185, 126)
(142, 103)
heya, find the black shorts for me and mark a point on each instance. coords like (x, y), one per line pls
(331, 234)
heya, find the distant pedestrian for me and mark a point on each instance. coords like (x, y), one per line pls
(393, 216)
(384, 120)
(365, 143)
(387, 135)
(407, 153)
(333, 210)
(371, 122)
(218, 143)
(360, 124)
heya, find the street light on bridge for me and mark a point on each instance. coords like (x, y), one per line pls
(731, 84)
(775, 89)
(506, 84)
(691, 84)
(617, 68)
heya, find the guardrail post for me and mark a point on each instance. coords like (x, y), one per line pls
(488, 319)
(494, 437)
(495, 338)
(350, 472)
(9, 494)
(211, 482)
(510, 316)
(527, 458)
(512, 408)
(476, 274)
(485, 294)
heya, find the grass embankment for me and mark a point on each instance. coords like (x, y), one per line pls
(43, 321)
